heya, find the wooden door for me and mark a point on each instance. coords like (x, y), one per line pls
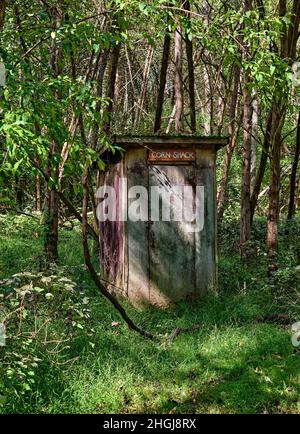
(171, 247)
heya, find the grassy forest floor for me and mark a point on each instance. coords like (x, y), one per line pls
(241, 359)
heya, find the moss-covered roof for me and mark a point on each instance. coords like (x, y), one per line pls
(167, 140)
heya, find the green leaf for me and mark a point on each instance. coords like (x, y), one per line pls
(38, 289)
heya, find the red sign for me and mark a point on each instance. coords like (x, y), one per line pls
(174, 155)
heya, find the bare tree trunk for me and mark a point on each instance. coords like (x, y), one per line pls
(233, 130)
(293, 180)
(222, 193)
(38, 193)
(110, 91)
(275, 152)
(191, 76)
(208, 106)
(178, 82)
(245, 223)
(254, 143)
(51, 225)
(245, 229)
(99, 76)
(162, 82)
(20, 188)
(275, 169)
(2, 13)
(222, 103)
(146, 73)
(171, 120)
(289, 40)
(211, 102)
(262, 166)
(51, 202)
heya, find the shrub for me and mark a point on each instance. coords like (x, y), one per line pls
(42, 313)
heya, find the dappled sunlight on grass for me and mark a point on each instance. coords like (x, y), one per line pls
(239, 359)
(232, 369)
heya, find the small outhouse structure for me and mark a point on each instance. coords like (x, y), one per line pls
(157, 208)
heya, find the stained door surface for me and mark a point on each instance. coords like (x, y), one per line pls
(171, 246)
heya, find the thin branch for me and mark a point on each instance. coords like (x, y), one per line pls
(93, 273)
(64, 199)
(31, 49)
(20, 212)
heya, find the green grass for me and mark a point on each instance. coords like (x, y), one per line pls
(236, 362)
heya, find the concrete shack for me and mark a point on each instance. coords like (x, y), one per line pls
(158, 240)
